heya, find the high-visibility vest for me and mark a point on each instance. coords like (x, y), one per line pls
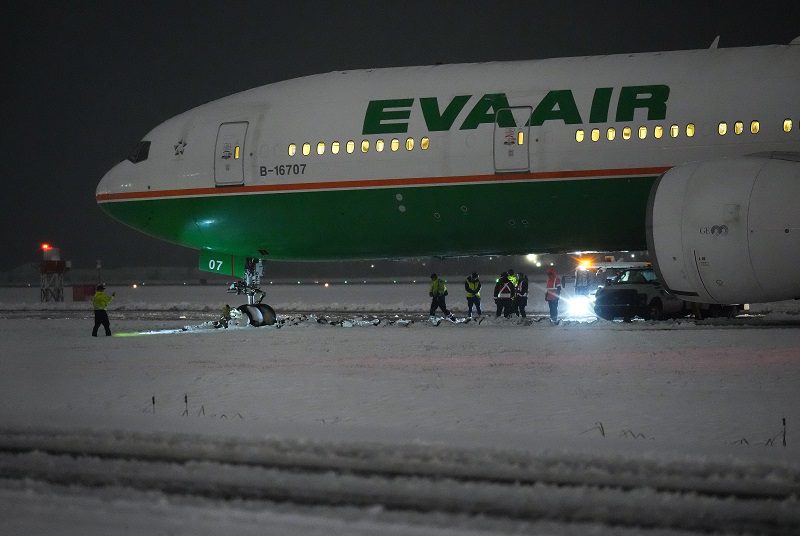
(506, 290)
(473, 288)
(553, 288)
(101, 300)
(514, 279)
(438, 287)
(522, 292)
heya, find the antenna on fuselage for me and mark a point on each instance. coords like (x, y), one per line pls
(715, 44)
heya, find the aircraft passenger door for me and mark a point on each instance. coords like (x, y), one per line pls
(511, 139)
(229, 157)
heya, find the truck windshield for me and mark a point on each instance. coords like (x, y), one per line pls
(637, 276)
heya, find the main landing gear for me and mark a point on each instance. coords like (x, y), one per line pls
(258, 314)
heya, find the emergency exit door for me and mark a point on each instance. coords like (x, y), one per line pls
(229, 157)
(511, 139)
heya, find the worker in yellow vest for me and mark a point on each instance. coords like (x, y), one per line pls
(472, 286)
(437, 294)
(100, 301)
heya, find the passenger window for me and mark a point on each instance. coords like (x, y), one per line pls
(787, 125)
(690, 130)
(611, 133)
(755, 126)
(409, 144)
(364, 146)
(642, 132)
(738, 127)
(321, 147)
(424, 143)
(658, 132)
(595, 134)
(379, 146)
(395, 144)
(335, 147)
(722, 128)
(351, 146)
(579, 135)
(674, 131)
(306, 149)
(626, 133)
(292, 149)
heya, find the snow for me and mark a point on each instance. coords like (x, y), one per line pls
(704, 398)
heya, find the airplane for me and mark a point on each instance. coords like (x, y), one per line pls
(693, 155)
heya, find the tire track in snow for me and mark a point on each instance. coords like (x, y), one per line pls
(615, 492)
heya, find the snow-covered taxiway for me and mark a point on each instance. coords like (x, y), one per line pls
(397, 426)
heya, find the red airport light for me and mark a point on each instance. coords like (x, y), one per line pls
(46, 246)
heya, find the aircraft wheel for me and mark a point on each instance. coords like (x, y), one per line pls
(268, 316)
(253, 313)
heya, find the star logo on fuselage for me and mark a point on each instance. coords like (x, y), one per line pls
(179, 147)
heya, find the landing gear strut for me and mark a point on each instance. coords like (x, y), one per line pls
(258, 314)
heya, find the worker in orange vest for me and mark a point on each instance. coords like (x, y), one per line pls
(553, 292)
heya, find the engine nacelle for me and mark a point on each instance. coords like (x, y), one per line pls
(728, 230)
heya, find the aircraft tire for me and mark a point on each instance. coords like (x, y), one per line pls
(253, 313)
(268, 316)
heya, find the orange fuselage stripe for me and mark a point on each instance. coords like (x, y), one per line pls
(382, 183)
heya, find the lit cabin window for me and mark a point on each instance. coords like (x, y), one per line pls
(364, 146)
(335, 147)
(292, 149)
(321, 147)
(379, 145)
(611, 133)
(755, 126)
(424, 143)
(351, 146)
(674, 131)
(409, 144)
(579, 135)
(690, 130)
(658, 132)
(722, 128)
(306, 149)
(738, 127)
(626, 133)
(595, 134)
(520, 138)
(787, 125)
(395, 144)
(642, 132)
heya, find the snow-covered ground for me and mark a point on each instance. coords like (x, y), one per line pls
(705, 399)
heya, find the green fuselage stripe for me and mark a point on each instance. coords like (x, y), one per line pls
(603, 214)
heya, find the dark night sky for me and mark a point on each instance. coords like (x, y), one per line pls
(84, 82)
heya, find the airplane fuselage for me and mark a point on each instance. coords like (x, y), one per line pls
(493, 158)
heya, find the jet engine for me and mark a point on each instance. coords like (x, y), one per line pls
(728, 230)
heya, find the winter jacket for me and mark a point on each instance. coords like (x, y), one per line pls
(522, 288)
(504, 288)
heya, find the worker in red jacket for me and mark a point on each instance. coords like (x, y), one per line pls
(553, 293)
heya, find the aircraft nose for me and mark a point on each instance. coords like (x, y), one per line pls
(115, 181)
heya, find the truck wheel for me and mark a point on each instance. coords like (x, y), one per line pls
(655, 311)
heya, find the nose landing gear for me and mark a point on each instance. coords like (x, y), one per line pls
(258, 314)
